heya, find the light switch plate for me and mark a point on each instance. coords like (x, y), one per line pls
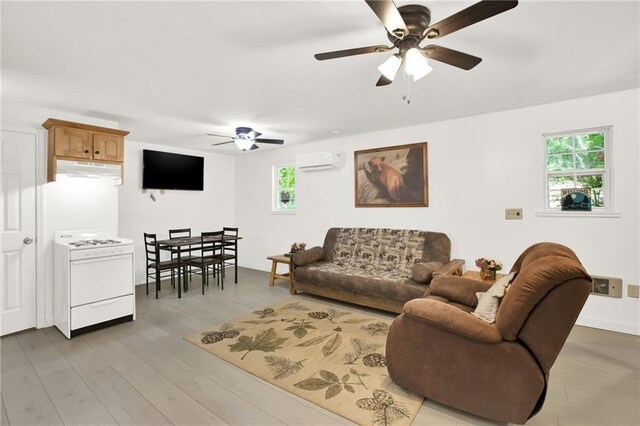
(633, 290)
(513, 214)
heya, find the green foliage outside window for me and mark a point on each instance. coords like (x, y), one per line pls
(286, 191)
(576, 161)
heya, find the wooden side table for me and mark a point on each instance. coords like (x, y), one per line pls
(475, 275)
(275, 259)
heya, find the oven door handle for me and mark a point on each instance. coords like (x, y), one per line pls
(105, 258)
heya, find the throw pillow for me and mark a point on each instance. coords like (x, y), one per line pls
(306, 257)
(488, 302)
(423, 272)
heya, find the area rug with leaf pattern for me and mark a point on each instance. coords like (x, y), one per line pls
(333, 357)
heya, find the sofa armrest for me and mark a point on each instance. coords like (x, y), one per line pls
(305, 257)
(452, 319)
(458, 289)
(454, 267)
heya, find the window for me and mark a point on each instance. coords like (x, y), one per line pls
(578, 159)
(284, 189)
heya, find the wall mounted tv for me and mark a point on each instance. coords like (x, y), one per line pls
(165, 170)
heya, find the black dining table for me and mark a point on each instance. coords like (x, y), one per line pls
(175, 245)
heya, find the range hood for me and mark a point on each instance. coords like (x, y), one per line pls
(89, 170)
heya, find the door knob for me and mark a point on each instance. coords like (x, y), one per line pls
(27, 240)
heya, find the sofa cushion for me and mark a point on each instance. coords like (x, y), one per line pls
(367, 271)
(378, 249)
(333, 276)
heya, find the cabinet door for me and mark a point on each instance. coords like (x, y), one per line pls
(70, 142)
(108, 147)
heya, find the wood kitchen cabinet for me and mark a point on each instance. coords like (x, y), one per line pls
(72, 142)
(108, 147)
(82, 142)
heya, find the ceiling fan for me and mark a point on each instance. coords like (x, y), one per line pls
(409, 25)
(246, 139)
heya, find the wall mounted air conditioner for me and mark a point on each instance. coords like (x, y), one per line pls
(318, 160)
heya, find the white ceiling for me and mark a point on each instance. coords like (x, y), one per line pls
(170, 72)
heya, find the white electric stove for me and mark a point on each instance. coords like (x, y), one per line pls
(93, 280)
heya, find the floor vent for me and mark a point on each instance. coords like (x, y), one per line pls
(606, 286)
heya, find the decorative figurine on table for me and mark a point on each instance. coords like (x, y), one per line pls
(295, 247)
(488, 268)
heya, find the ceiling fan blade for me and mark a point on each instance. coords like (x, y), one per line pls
(469, 16)
(220, 136)
(451, 57)
(275, 141)
(383, 81)
(390, 17)
(222, 143)
(351, 52)
(254, 146)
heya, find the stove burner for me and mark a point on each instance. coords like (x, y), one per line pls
(86, 243)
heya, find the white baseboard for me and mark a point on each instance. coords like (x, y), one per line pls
(609, 325)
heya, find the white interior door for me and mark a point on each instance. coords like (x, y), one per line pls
(18, 297)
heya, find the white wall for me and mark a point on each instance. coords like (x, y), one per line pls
(69, 203)
(478, 166)
(207, 210)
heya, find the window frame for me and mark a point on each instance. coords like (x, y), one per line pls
(607, 173)
(275, 189)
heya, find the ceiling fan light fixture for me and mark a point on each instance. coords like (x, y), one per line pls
(417, 64)
(244, 143)
(390, 67)
(426, 69)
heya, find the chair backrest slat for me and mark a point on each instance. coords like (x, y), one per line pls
(228, 231)
(179, 233)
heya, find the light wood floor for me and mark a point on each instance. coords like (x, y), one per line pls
(142, 372)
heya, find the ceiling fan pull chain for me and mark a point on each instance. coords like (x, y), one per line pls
(406, 84)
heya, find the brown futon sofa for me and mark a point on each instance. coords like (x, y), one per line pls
(380, 268)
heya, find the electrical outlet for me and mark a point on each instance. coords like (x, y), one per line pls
(633, 290)
(513, 214)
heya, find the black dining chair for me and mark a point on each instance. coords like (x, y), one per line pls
(212, 252)
(155, 267)
(186, 253)
(230, 255)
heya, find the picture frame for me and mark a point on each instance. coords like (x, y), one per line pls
(392, 176)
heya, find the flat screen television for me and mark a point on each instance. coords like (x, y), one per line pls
(166, 170)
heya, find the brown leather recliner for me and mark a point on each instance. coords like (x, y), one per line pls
(500, 371)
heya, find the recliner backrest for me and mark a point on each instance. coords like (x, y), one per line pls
(539, 250)
(543, 301)
(543, 267)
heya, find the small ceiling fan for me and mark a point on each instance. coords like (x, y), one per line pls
(246, 139)
(409, 25)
